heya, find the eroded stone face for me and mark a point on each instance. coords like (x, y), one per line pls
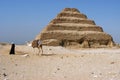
(72, 28)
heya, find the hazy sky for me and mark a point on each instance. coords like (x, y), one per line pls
(22, 20)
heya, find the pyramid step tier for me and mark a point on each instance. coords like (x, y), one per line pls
(74, 27)
(75, 35)
(67, 20)
(71, 10)
(77, 15)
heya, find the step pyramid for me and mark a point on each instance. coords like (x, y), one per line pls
(70, 28)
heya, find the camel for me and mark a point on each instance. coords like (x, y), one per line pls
(37, 44)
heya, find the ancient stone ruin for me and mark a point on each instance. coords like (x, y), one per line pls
(73, 29)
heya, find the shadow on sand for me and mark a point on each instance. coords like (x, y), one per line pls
(48, 54)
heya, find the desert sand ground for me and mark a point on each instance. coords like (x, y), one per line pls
(59, 63)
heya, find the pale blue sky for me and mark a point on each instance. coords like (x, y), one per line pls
(22, 20)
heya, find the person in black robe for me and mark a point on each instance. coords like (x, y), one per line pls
(12, 51)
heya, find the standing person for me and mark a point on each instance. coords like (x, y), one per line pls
(12, 51)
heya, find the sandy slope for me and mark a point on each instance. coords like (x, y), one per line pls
(59, 63)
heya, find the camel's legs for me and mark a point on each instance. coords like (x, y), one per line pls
(40, 50)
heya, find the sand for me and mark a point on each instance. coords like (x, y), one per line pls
(59, 63)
